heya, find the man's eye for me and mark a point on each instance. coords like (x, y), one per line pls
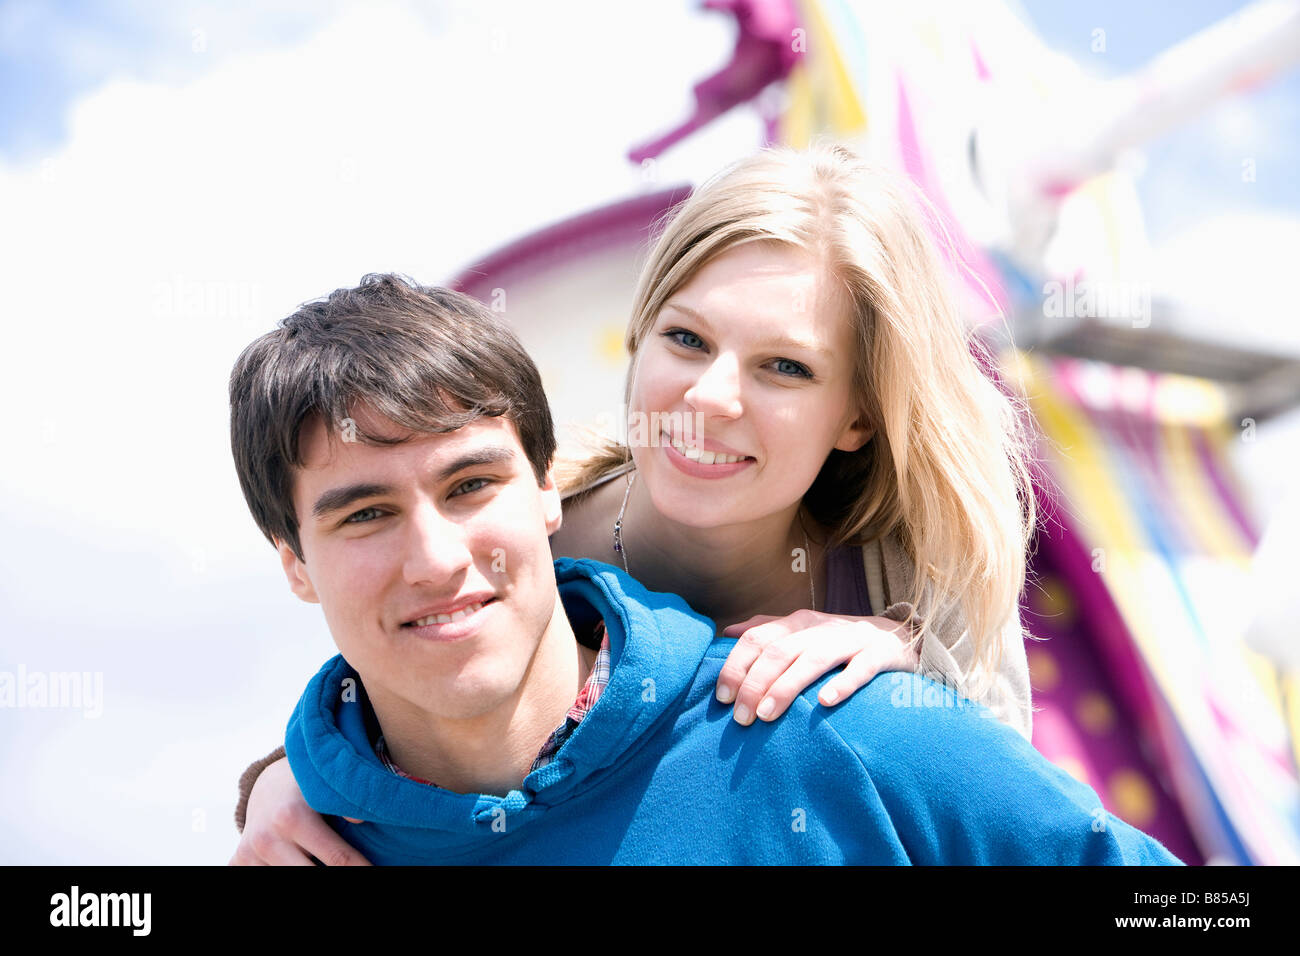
(470, 486)
(364, 515)
(685, 339)
(791, 367)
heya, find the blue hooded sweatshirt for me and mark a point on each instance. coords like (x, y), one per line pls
(904, 771)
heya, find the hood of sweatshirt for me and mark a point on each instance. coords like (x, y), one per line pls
(656, 644)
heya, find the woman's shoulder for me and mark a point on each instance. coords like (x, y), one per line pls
(574, 494)
(589, 514)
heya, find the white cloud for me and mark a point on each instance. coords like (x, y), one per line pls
(176, 223)
(1231, 274)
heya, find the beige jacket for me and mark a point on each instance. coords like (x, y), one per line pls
(950, 659)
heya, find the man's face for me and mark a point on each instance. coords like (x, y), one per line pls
(430, 560)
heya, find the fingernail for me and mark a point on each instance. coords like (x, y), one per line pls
(828, 696)
(725, 694)
(767, 708)
(742, 715)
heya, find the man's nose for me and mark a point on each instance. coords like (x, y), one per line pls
(437, 549)
(717, 390)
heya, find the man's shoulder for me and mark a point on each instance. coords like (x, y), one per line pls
(900, 724)
(952, 781)
(893, 700)
(901, 704)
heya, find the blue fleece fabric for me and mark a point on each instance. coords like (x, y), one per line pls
(658, 772)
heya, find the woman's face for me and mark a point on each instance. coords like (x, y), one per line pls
(749, 369)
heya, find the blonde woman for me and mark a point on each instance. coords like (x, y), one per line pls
(815, 459)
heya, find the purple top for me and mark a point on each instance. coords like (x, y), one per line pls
(846, 583)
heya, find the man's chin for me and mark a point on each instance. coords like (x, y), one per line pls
(470, 697)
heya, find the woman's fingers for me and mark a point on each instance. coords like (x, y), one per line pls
(890, 654)
(805, 670)
(273, 845)
(300, 826)
(757, 632)
(282, 830)
(787, 665)
(268, 849)
(734, 630)
(320, 840)
(775, 661)
(859, 672)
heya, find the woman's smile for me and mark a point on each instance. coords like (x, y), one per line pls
(705, 464)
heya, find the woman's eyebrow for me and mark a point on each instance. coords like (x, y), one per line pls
(687, 310)
(780, 342)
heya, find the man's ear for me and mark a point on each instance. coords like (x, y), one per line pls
(296, 571)
(552, 507)
(855, 435)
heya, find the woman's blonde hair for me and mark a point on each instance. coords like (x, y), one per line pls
(947, 469)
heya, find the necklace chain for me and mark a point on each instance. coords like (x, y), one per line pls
(621, 548)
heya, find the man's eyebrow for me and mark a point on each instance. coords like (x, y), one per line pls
(489, 455)
(784, 341)
(336, 499)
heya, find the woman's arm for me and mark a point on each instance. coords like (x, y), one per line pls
(776, 658)
(281, 829)
(248, 778)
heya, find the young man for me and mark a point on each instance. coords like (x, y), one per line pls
(395, 445)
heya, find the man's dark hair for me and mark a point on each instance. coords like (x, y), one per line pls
(427, 359)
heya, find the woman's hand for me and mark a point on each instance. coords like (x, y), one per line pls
(282, 830)
(777, 657)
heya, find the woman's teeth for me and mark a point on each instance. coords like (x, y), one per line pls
(706, 457)
(447, 618)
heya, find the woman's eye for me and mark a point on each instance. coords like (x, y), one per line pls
(470, 486)
(791, 367)
(364, 515)
(685, 339)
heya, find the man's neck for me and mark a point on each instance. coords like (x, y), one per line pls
(493, 751)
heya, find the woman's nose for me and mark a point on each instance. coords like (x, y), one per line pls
(717, 390)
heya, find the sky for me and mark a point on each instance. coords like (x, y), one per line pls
(1201, 159)
(175, 177)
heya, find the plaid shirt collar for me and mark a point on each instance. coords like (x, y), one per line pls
(587, 697)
